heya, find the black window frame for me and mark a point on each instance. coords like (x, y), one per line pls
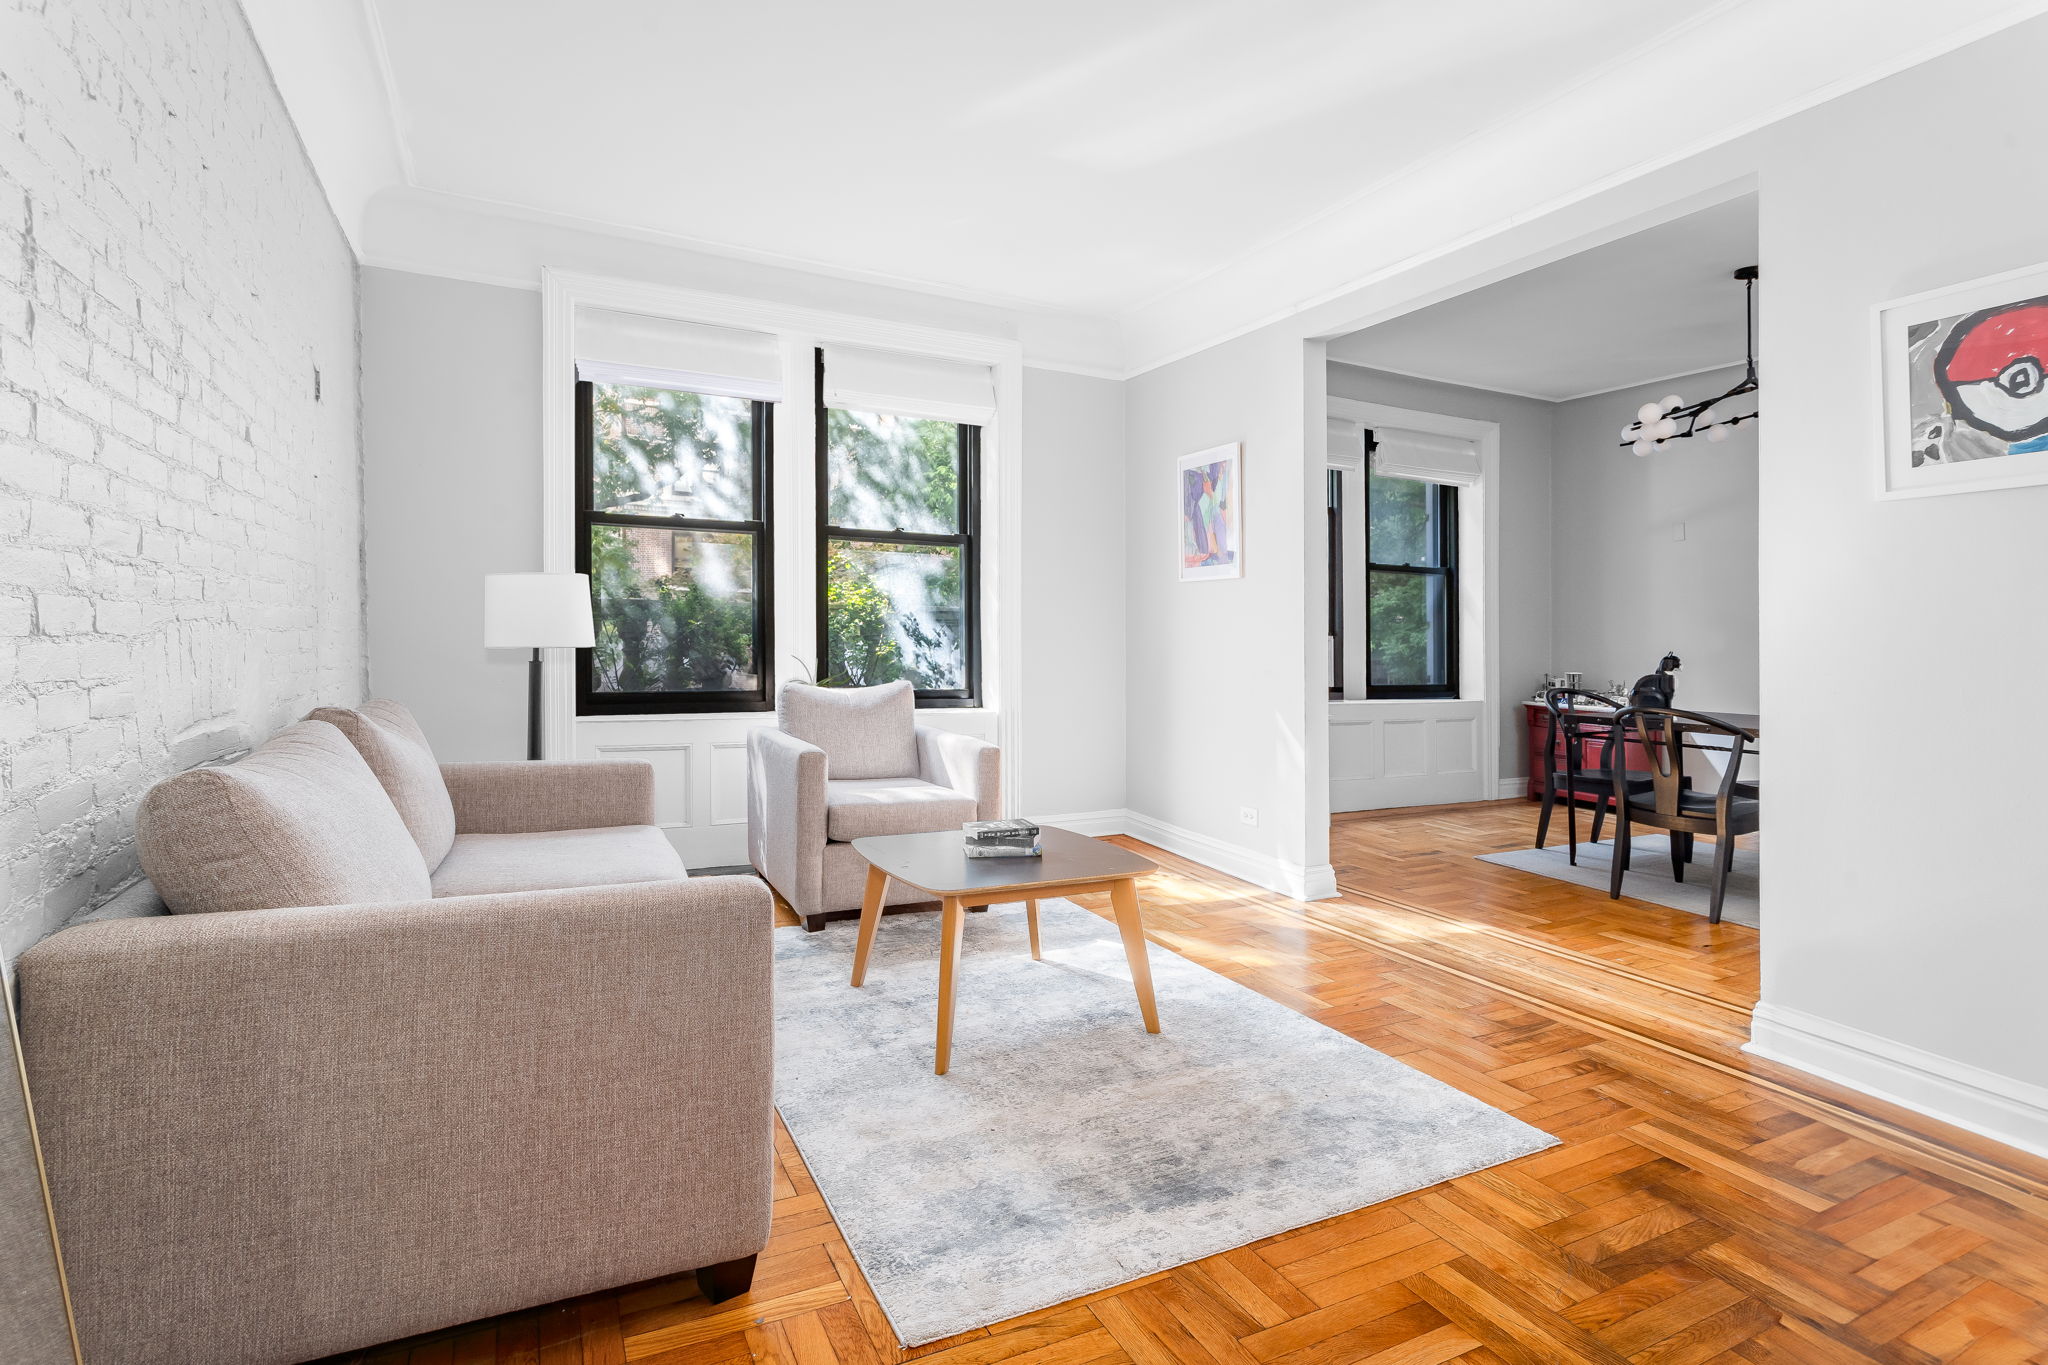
(590, 702)
(968, 538)
(1446, 568)
(1335, 531)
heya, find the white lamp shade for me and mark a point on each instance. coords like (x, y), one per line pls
(537, 611)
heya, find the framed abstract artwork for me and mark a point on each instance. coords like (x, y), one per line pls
(1964, 379)
(1211, 495)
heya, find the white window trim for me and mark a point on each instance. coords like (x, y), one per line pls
(1478, 649)
(800, 330)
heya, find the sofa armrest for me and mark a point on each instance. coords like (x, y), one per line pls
(965, 764)
(786, 815)
(530, 798)
(383, 1103)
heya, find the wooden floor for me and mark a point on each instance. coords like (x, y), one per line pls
(1704, 1207)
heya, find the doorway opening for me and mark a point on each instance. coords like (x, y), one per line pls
(1604, 553)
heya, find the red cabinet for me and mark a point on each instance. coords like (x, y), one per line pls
(1536, 721)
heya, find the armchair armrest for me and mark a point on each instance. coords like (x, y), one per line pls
(965, 764)
(380, 1101)
(786, 815)
(530, 798)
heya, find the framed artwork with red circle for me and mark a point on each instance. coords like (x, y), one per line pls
(1965, 384)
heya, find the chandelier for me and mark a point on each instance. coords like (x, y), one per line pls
(1674, 419)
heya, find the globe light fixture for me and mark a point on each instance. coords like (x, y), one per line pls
(1673, 419)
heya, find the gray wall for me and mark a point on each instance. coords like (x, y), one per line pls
(451, 487)
(1914, 920)
(1073, 593)
(1627, 587)
(1219, 686)
(180, 519)
(1526, 623)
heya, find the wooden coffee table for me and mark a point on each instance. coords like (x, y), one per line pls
(937, 864)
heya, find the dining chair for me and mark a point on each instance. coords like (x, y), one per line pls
(1579, 781)
(1672, 804)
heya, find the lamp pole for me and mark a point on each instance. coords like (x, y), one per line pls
(533, 706)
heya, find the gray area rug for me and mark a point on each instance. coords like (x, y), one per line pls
(1068, 1150)
(1649, 877)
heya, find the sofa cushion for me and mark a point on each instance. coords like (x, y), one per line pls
(480, 864)
(892, 805)
(301, 821)
(864, 731)
(390, 741)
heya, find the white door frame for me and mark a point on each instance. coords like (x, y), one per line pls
(1478, 650)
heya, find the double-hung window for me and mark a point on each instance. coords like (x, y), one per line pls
(1411, 551)
(898, 551)
(672, 525)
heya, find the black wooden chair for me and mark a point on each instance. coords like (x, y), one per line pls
(1672, 804)
(1580, 781)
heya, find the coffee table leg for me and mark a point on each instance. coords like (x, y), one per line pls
(1123, 896)
(870, 917)
(949, 976)
(1031, 918)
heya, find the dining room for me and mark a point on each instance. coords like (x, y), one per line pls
(1544, 599)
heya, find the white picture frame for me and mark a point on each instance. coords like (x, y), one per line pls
(1208, 519)
(1919, 398)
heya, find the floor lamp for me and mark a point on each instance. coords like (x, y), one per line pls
(537, 611)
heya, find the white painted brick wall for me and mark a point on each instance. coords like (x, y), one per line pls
(180, 521)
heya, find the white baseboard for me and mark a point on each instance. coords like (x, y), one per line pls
(1969, 1097)
(1091, 822)
(1512, 787)
(1260, 869)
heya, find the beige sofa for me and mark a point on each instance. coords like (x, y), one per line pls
(390, 1091)
(844, 763)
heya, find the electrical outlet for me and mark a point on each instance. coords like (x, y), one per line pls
(1248, 814)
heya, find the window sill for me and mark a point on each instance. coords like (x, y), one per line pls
(766, 717)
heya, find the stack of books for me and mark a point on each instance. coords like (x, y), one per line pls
(1001, 839)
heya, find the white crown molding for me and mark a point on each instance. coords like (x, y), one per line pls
(334, 68)
(1523, 393)
(387, 83)
(1314, 265)
(458, 237)
(326, 61)
(1969, 1097)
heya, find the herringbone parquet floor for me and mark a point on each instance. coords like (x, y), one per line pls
(1703, 1208)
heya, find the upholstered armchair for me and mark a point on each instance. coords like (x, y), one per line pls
(844, 763)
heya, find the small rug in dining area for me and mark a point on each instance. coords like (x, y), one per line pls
(1649, 875)
(1067, 1150)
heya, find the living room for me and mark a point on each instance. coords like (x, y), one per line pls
(548, 582)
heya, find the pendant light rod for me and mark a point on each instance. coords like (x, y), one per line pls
(1673, 419)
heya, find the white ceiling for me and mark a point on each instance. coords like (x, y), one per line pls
(1639, 309)
(1067, 153)
(1125, 181)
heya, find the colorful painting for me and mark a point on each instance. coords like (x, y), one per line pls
(1966, 387)
(1212, 513)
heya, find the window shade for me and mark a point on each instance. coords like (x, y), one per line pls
(1421, 455)
(908, 385)
(664, 353)
(1347, 445)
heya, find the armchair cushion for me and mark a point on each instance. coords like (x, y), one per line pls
(486, 864)
(301, 821)
(857, 808)
(864, 731)
(391, 742)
